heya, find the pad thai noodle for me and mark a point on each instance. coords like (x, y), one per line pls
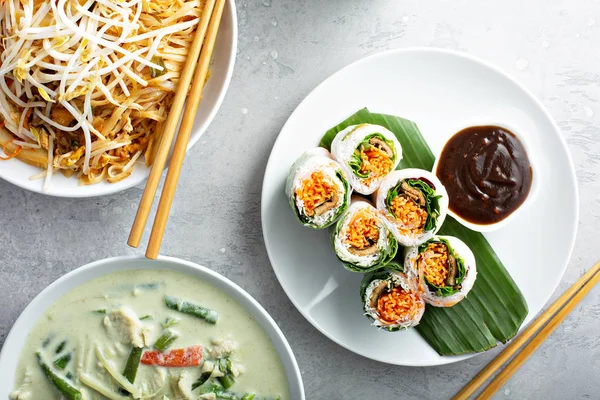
(86, 85)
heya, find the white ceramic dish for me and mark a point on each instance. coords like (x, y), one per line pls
(19, 173)
(439, 90)
(535, 180)
(11, 350)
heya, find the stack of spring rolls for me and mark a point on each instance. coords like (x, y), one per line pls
(372, 210)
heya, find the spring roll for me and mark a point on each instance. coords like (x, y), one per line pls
(317, 189)
(414, 203)
(367, 154)
(391, 300)
(361, 240)
(445, 268)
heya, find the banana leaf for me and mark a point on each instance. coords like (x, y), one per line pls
(495, 308)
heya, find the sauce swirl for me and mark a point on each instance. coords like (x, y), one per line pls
(486, 172)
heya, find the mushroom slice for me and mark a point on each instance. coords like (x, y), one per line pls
(366, 251)
(381, 145)
(451, 278)
(413, 193)
(324, 207)
(376, 294)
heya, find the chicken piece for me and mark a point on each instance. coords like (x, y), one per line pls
(62, 116)
(184, 384)
(124, 326)
(24, 391)
(222, 348)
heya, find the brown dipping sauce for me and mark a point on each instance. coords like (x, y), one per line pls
(486, 172)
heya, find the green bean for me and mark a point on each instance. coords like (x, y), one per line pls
(61, 346)
(186, 307)
(64, 387)
(166, 339)
(133, 363)
(226, 380)
(62, 361)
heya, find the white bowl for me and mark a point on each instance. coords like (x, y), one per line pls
(9, 357)
(19, 173)
(535, 180)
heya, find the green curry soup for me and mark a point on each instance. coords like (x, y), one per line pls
(148, 334)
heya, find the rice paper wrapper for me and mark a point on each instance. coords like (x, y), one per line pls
(314, 160)
(344, 145)
(395, 225)
(386, 246)
(393, 277)
(461, 250)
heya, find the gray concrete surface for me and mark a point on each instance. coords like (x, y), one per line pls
(286, 47)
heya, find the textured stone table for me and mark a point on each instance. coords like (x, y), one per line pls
(286, 47)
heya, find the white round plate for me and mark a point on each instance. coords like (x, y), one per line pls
(439, 90)
(9, 357)
(19, 173)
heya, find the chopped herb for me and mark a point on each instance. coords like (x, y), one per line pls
(169, 321)
(62, 361)
(146, 317)
(61, 346)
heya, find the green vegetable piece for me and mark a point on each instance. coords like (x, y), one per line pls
(203, 378)
(170, 322)
(61, 347)
(60, 384)
(226, 380)
(62, 361)
(249, 396)
(154, 72)
(225, 395)
(166, 339)
(146, 317)
(209, 387)
(133, 363)
(186, 307)
(101, 312)
(69, 375)
(47, 341)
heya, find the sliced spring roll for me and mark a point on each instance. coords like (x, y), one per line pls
(317, 189)
(361, 240)
(445, 268)
(414, 203)
(391, 300)
(367, 154)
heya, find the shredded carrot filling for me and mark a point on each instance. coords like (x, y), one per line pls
(315, 191)
(10, 155)
(397, 305)
(375, 162)
(410, 214)
(434, 261)
(362, 230)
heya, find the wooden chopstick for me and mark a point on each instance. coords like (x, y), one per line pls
(141, 217)
(553, 316)
(168, 192)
